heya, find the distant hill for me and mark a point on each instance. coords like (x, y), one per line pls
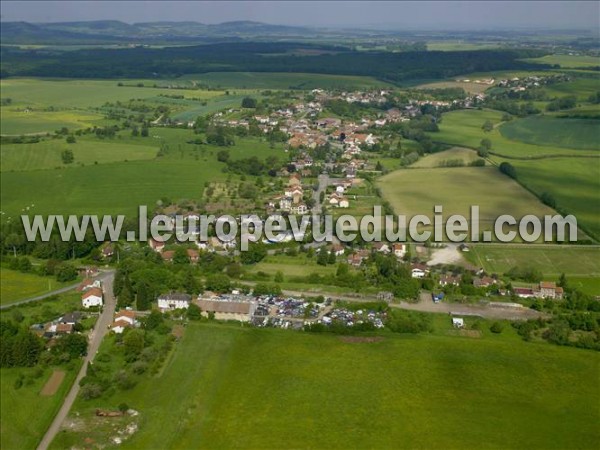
(111, 31)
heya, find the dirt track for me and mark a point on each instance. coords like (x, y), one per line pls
(53, 383)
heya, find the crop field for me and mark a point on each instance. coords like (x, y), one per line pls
(465, 128)
(85, 93)
(26, 414)
(43, 105)
(105, 189)
(412, 192)
(582, 88)
(568, 61)
(263, 80)
(47, 153)
(552, 131)
(17, 121)
(550, 260)
(574, 182)
(17, 285)
(227, 387)
(465, 155)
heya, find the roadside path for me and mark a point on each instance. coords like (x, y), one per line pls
(96, 336)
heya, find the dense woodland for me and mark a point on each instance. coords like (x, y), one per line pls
(257, 57)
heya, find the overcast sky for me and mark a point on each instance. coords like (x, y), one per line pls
(431, 15)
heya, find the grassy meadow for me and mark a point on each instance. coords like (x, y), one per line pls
(26, 414)
(87, 150)
(89, 189)
(16, 285)
(297, 266)
(568, 61)
(582, 262)
(228, 386)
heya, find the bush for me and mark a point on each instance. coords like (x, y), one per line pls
(496, 328)
(90, 391)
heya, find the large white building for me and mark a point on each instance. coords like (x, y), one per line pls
(174, 301)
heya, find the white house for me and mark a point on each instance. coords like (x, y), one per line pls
(92, 297)
(339, 189)
(123, 319)
(174, 301)
(399, 250)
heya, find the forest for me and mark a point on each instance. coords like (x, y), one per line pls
(171, 62)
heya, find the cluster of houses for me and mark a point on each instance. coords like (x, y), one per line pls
(545, 289)
(292, 198)
(517, 84)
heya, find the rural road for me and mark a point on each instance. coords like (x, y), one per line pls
(99, 331)
(41, 297)
(51, 293)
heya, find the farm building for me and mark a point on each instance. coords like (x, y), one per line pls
(228, 310)
(92, 297)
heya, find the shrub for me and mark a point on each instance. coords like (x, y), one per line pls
(496, 328)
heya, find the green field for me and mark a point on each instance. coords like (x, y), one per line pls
(26, 415)
(101, 188)
(86, 93)
(464, 128)
(231, 387)
(43, 105)
(590, 286)
(47, 153)
(466, 155)
(17, 122)
(552, 131)
(568, 61)
(550, 260)
(262, 80)
(297, 266)
(582, 88)
(17, 285)
(412, 192)
(574, 182)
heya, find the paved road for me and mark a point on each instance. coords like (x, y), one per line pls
(104, 320)
(323, 183)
